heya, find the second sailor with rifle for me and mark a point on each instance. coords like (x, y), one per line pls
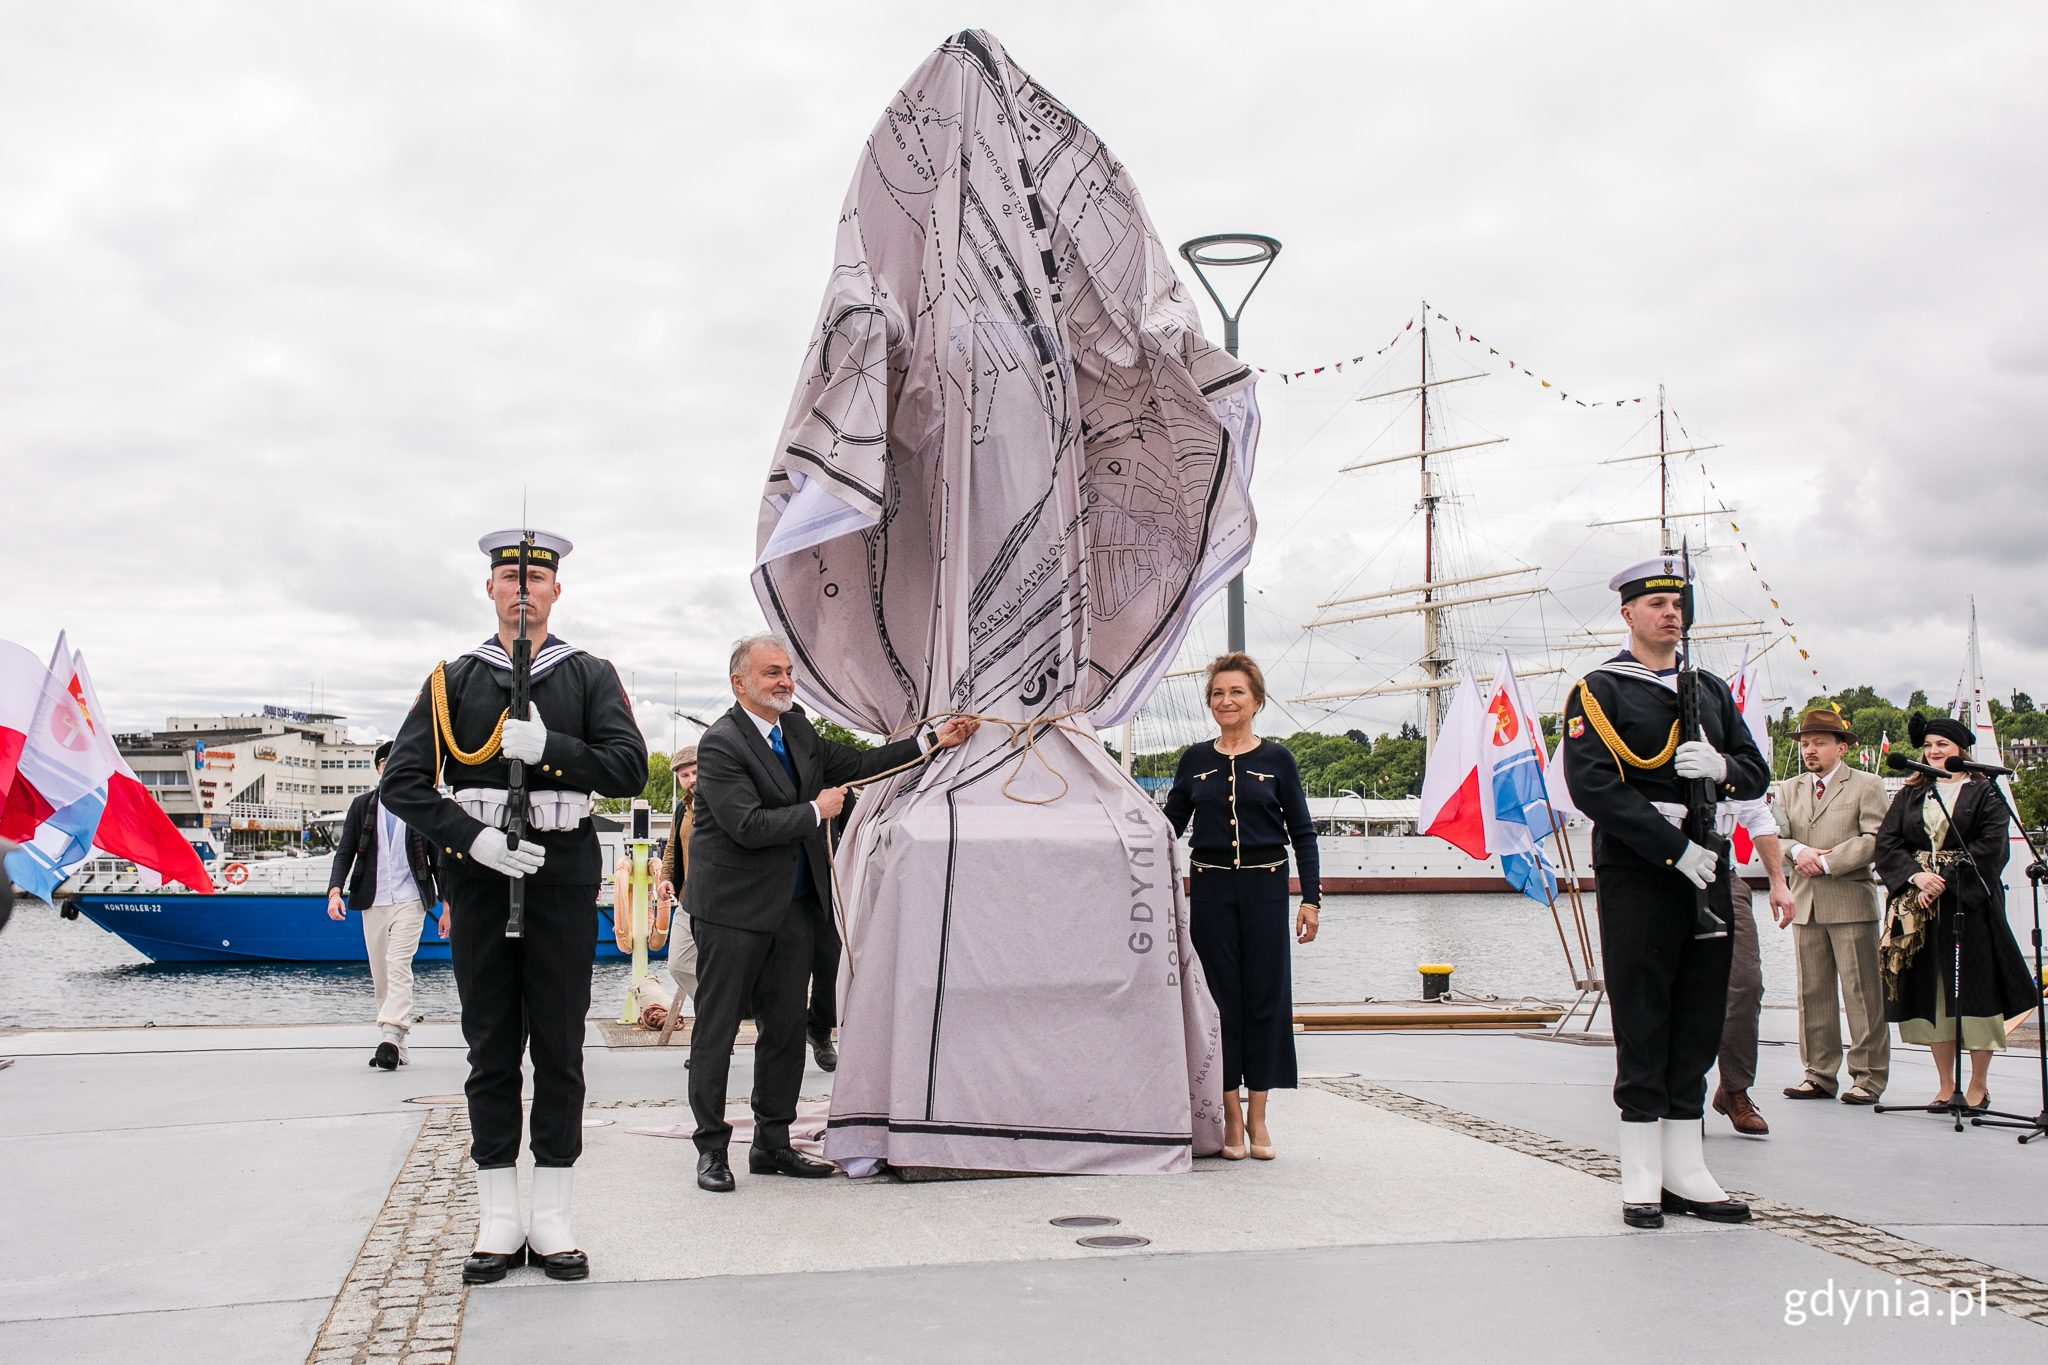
(524, 986)
(1659, 790)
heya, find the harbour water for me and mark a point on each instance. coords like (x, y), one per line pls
(57, 973)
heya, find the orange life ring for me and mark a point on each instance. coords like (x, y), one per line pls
(235, 874)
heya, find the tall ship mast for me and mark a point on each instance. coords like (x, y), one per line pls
(1439, 658)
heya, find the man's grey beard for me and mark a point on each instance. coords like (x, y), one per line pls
(768, 701)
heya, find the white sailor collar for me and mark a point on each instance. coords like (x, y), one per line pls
(1624, 665)
(551, 652)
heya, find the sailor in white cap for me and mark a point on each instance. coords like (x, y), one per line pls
(1627, 766)
(529, 993)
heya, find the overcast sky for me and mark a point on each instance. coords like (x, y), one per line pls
(295, 299)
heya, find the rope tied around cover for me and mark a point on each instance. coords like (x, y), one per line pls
(1612, 739)
(1029, 729)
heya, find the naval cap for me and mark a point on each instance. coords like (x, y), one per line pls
(547, 553)
(1665, 573)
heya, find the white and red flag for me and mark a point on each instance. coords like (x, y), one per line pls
(1457, 793)
(70, 788)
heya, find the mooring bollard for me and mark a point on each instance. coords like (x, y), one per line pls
(1436, 979)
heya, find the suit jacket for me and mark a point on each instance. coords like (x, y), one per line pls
(750, 820)
(355, 856)
(1842, 826)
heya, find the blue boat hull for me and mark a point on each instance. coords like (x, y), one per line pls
(239, 928)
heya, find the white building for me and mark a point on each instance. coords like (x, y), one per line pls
(251, 779)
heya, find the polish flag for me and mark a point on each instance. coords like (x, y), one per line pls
(1457, 806)
(1749, 701)
(21, 687)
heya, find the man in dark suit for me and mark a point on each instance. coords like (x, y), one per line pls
(392, 894)
(759, 893)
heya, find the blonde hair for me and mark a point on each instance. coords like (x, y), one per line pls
(1237, 661)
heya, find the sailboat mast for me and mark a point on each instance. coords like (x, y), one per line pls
(1663, 482)
(1432, 666)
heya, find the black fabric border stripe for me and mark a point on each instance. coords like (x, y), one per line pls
(1015, 1134)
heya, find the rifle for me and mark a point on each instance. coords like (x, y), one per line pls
(1700, 797)
(515, 782)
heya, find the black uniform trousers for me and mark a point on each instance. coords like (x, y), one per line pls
(521, 994)
(1667, 991)
(1238, 921)
(763, 973)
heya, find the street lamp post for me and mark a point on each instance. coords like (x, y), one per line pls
(1215, 251)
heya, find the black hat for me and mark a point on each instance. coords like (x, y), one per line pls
(1666, 573)
(547, 551)
(383, 751)
(1948, 727)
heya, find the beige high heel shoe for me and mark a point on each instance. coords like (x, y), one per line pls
(1236, 1153)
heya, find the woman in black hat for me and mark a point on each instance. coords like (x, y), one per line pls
(1929, 853)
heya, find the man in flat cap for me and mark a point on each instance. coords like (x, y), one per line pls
(531, 992)
(1831, 813)
(675, 872)
(1628, 767)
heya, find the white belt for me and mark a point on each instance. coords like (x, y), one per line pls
(1724, 815)
(545, 810)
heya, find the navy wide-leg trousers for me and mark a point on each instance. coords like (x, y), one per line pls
(1239, 922)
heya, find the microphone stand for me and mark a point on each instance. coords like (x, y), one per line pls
(2036, 1126)
(1958, 1106)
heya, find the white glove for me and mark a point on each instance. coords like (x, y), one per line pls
(1699, 865)
(489, 849)
(1695, 758)
(525, 740)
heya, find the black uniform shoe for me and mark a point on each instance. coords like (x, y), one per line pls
(1643, 1215)
(713, 1174)
(489, 1267)
(788, 1161)
(386, 1058)
(827, 1055)
(563, 1265)
(1719, 1211)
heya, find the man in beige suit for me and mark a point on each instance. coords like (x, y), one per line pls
(1830, 814)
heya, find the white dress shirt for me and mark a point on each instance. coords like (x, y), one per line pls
(764, 726)
(394, 869)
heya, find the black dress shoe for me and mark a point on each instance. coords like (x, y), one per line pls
(827, 1055)
(788, 1161)
(385, 1058)
(1643, 1215)
(713, 1174)
(489, 1267)
(1978, 1107)
(563, 1265)
(1717, 1211)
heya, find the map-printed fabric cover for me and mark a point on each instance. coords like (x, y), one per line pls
(1012, 470)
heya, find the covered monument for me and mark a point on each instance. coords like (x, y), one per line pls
(1012, 470)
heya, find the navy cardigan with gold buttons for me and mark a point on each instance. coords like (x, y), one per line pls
(1246, 809)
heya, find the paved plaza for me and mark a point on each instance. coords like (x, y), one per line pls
(227, 1195)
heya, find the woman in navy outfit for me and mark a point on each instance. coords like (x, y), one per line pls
(1244, 796)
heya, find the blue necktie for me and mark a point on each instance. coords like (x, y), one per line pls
(803, 862)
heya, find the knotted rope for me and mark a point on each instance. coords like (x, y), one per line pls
(1029, 735)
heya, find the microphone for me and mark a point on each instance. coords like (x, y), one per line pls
(1900, 763)
(1959, 764)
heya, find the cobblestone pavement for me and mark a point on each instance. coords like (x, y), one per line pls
(402, 1301)
(2015, 1294)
